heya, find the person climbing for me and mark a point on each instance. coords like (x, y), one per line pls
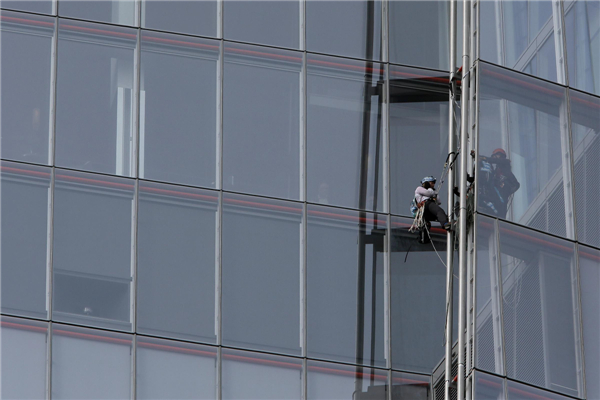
(497, 182)
(426, 196)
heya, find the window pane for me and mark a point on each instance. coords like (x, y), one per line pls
(25, 204)
(261, 273)
(261, 121)
(92, 249)
(121, 12)
(41, 6)
(176, 262)
(410, 386)
(90, 364)
(266, 22)
(345, 293)
(518, 391)
(178, 109)
(26, 75)
(338, 381)
(488, 387)
(175, 370)
(526, 119)
(539, 293)
(193, 17)
(344, 132)
(95, 99)
(345, 28)
(24, 350)
(247, 375)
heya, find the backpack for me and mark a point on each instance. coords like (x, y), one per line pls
(414, 206)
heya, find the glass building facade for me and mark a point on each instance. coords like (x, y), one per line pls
(211, 199)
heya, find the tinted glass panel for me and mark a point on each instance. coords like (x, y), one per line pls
(410, 386)
(357, 31)
(92, 249)
(523, 122)
(95, 100)
(121, 12)
(344, 133)
(539, 293)
(248, 375)
(178, 109)
(42, 6)
(345, 293)
(518, 391)
(338, 381)
(261, 273)
(25, 204)
(176, 262)
(193, 17)
(265, 22)
(488, 387)
(24, 349)
(261, 116)
(26, 73)
(175, 370)
(90, 364)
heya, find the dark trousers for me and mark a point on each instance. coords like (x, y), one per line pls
(433, 212)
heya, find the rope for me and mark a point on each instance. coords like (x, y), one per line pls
(418, 222)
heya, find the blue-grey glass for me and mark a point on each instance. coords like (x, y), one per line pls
(419, 33)
(582, 35)
(26, 89)
(526, 119)
(95, 99)
(410, 386)
(519, 391)
(176, 262)
(345, 292)
(261, 121)
(24, 349)
(92, 251)
(274, 23)
(585, 130)
(122, 12)
(247, 375)
(488, 387)
(418, 297)
(90, 364)
(338, 381)
(41, 6)
(192, 17)
(167, 369)
(540, 312)
(261, 273)
(178, 109)
(25, 207)
(344, 28)
(345, 133)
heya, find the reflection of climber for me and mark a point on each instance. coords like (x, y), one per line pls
(425, 196)
(497, 183)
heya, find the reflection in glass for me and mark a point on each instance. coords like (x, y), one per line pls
(518, 391)
(248, 375)
(92, 249)
(36, 6)
(261, 273)
(95, 99)
(345, 293)
(488, 387)
(345, 133)
(24, 351)
(25, 203)
(122, 12)
(338, 381)
(192, 17)
(176, 262)
(410, 386)
(540, 312)
(178, 109)
(26, 89)
(261, 121)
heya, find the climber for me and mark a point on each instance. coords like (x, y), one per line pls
(426, 196)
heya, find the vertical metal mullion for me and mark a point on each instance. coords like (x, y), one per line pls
(219, 116)
(387, 243)
(387, 286)
(304, 378)
(500, 295)
(137, 84)
(134, 258)
(50, 245)
(220, 18)
(384, 30)
(219, 367)
(53, 90)
(49, 362)
(302, 17)
(219, 293)
(134, 367)
(582, 379)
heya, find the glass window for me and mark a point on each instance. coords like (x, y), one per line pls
(540, 312)
(261, 121)
(178, 109)
(345, 291)
(27, 42)
(175, 370)
(193, 17)
(410, 386)
(338, 381)
(121, 12)
(488, 387)
(261, 273)
(25, 203)
(24, 351)
(519, 391)
(95, 99)
(344, 132)
(266, 22)
(418, 297)
(38, 6)
(92, 249)
(524, 153)
(345, 28)
(176, 262)
(90, 364)
(247, 375)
